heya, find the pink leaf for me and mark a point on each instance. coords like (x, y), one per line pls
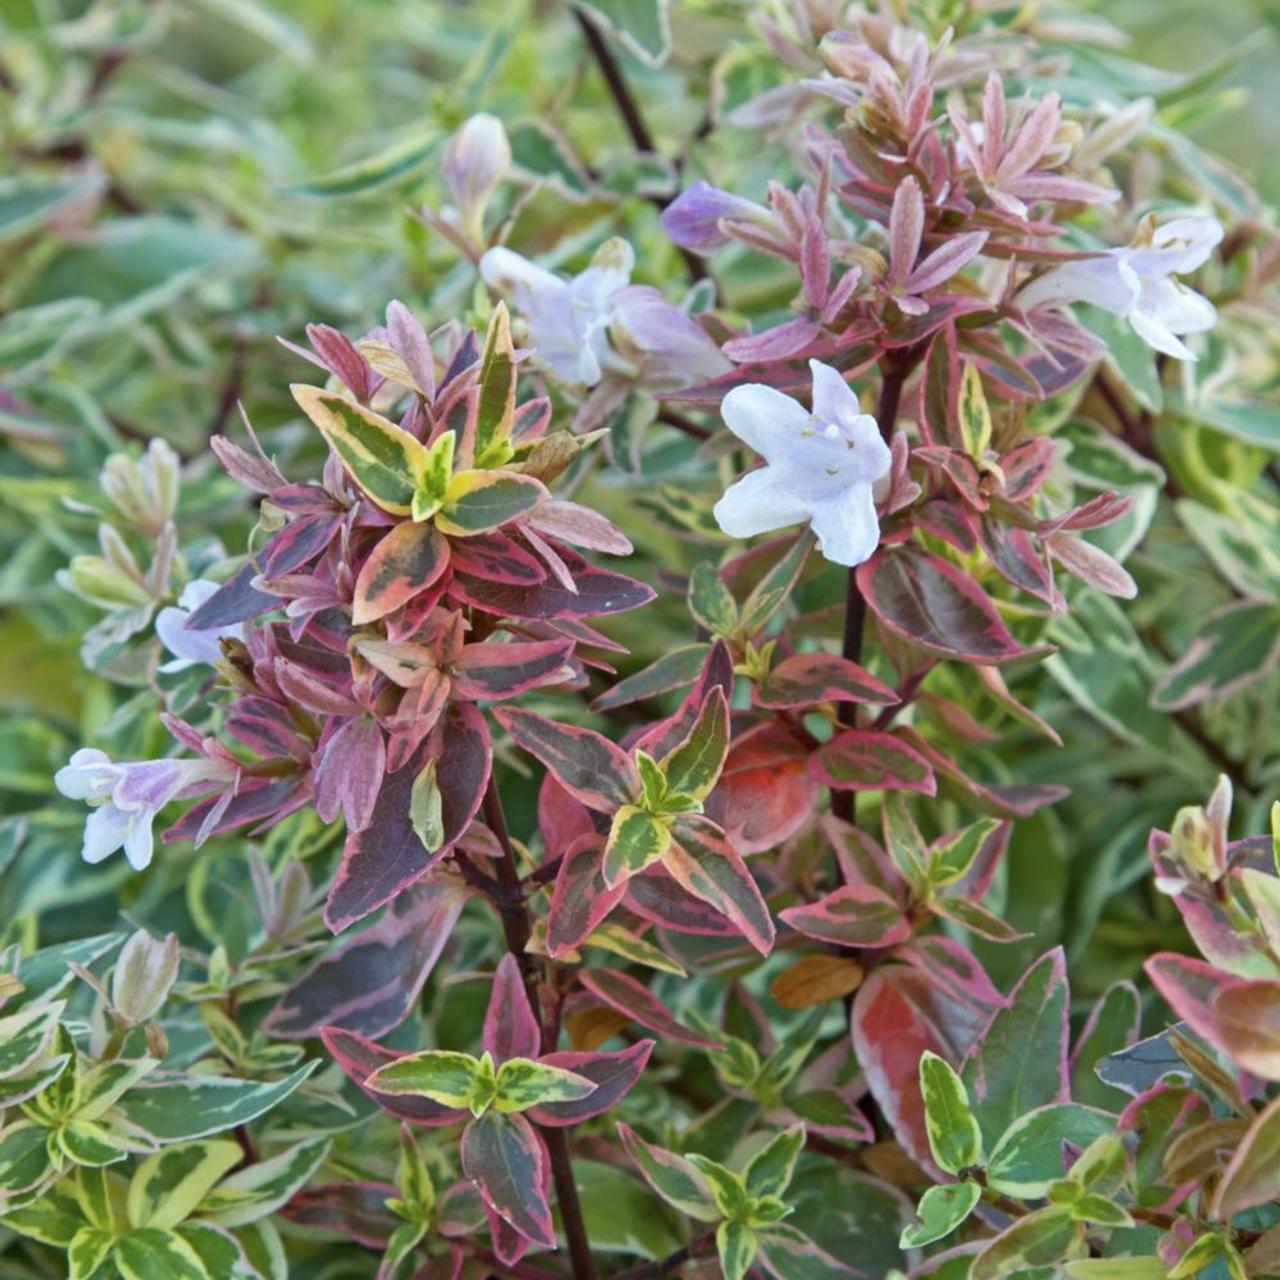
(623, 993)
(510, 1025)
(862, 760)
(930, 602)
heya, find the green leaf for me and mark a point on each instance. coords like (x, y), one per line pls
(167, 1186)
(975, 413)
(620, 1214)
(644, 26)
(448, 1078)
(1038, 1240)
(102, 1086)
(952, 856)
(1232, 648)
(437, 471)
(397, 162)
(674, 1178)
(771, 1168)
(24, 1158)
(189, 1107)
(736, 1245)
(940, 1211)
(1019, 1063)
(216, 1248)
(384, 460)
(1116, 1269)
(523, 1083)
(87, 1251)
(636, 840)
(481, 501)
(1029, 1155)
(27, 1035)
(495, 408)
(727, 1188)
(774, 589)
(693, 767)
(53, 1219)
(710, 601)
(27, 201)
(152, 1254)
(86, 1142)
(426, 807)
(954, 1136)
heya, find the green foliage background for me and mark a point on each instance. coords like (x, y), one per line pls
(224, 171)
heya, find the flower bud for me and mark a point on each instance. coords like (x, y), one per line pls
(144, 492)
(476, 159)
(1193, 843)
(93, 579)
(143, 976)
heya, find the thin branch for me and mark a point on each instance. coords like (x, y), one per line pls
(632, 118)
(665, 1266)
(844, 804)
(681, 422)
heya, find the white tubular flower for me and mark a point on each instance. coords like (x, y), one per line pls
(1137, 282)
(192, 647)
(820, 466)
(568, 319)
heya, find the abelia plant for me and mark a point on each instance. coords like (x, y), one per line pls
(635, 756)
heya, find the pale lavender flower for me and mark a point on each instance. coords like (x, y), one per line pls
(125, 798)
(820, 466)
(192, 647)
(693, 218)
(1138, 282)
(475, 161)
(568, 319)
(597, 328)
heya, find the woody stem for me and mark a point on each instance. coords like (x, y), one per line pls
(897, 368)
(517, 927)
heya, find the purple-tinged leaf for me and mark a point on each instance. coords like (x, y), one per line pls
(370, 983)
(855, 915)
(613, 1074)
(655, 896)
(808, 678)
(505, 1158)
(579, 526)
(510, 1026)
(590, 767)
(705, 864)
(387, 855)
(863, 760)
(580, 900)
(237, 600)
(349, 770)
(494, 557)
(491, 670)
(599, 592)
(298, 543)
(674, 670)
(407, 561)
(354, 1210)
(930, 602)
(622, 992)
